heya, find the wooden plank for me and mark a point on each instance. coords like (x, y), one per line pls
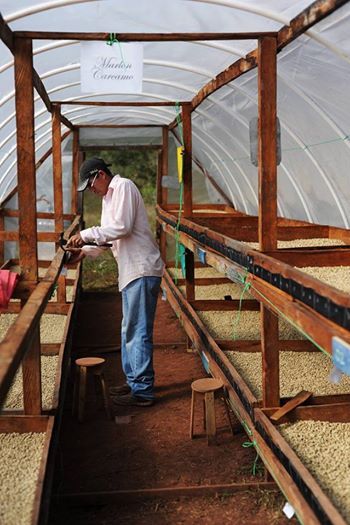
(40, 88)
(190, 280)
(331, 412)
(187, 160)
(117, 126)
(23, 63)
(23, 424)
(142, 37)
(297, 400)
(317, 258)
(248, 345)
(119, 147)
(6, 34)
(75, 171)
(116, 104)
(99, 498)
(267, 143)
(165, 161)
(50, 348)
(57, 169)
(207, 305)
(31, 372)
(206, 281)
(270, 357)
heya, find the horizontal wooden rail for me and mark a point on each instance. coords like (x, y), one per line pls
(142, 37)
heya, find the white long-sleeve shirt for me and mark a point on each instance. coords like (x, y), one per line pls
(124, 223)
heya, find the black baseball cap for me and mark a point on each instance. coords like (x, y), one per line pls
(90, 168)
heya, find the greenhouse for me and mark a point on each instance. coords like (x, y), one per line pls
(228, 123)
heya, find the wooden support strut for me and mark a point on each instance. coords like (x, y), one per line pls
(267, 224)
(57, 169)
(23, 60)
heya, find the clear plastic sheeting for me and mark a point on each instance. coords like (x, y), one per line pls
(313, 96)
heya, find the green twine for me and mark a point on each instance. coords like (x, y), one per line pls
(112, 39)
(248, 444)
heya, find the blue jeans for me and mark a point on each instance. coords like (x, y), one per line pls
(139, 300)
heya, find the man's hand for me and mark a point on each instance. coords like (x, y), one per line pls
(75, 241)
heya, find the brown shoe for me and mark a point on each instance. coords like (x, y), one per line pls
(130, 400)
(120, 390)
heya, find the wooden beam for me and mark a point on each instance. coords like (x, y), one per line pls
(57, 169)
(141, 147)
(75, 171)
(267, 144)
(187, 160)
(165, 161)
(267, 225)
(331, 412)
(113, 103)
(23, 63)
(101, 498)
(31, 371)
(117, 126)
(6, 34)
(23, 424)
(142, 37)
(290, 405)
(39, 86)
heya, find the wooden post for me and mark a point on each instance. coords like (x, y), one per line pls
(75, 171)
(187, 205)
(187, 160)
(57, 168)
(267, 90)
(28, 248)
(31, 373)
(165, 161)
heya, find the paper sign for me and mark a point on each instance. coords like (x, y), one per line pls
(288, 510)
(116, 68)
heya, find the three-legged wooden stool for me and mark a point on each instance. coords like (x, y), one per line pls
(206, 388)
(85, 365)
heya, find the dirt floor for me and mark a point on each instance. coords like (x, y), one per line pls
(149, 447)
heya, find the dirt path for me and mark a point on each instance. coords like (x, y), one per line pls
(149, 447)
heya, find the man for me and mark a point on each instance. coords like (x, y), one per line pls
(124, 223)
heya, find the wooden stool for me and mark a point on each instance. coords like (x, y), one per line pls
(95, 366)
(207, 387)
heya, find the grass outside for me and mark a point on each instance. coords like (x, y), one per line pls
(101, 274)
